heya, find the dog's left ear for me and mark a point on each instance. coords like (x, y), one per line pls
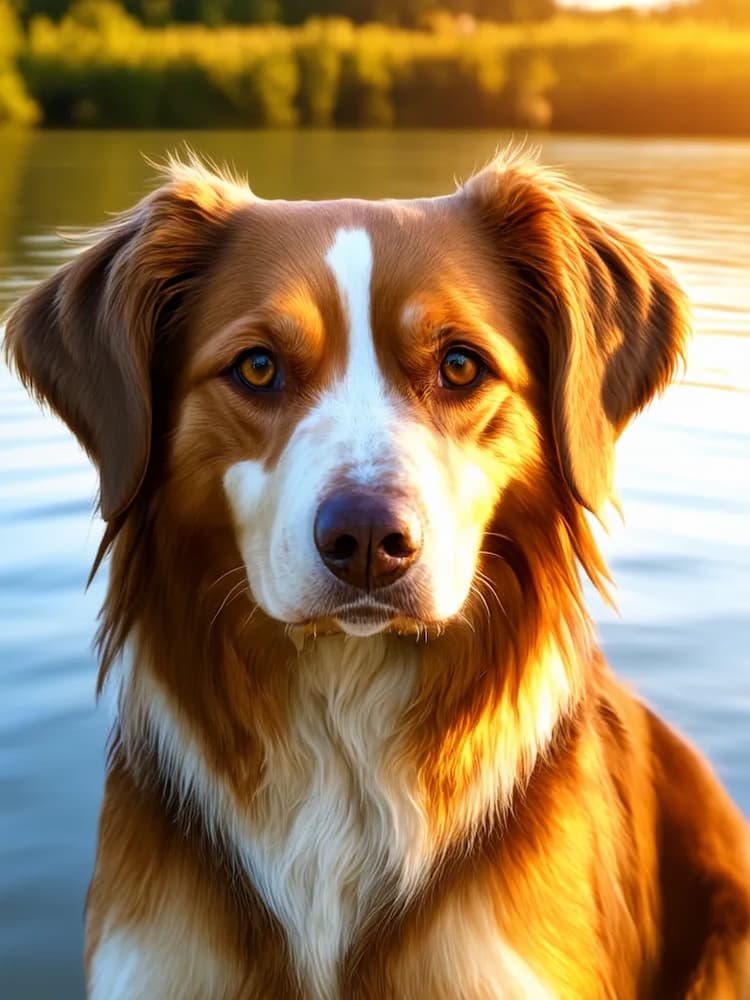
(84, 340)
(613, 317)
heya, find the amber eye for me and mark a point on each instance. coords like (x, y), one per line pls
(256, 369)
(460, 368)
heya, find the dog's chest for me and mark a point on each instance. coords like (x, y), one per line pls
(336, 818)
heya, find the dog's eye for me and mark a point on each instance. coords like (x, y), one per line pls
(256, 369)
(460, 368)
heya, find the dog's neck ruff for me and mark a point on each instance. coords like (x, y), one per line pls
(340, 821)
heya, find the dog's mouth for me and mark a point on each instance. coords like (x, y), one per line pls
(360, 618)
(364, 617)
(400, 610)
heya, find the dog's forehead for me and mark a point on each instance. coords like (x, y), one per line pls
(419, 252)
(272, 226)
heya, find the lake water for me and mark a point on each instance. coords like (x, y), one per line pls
(682, 560)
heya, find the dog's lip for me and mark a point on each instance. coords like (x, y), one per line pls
(370, 610)
(370, 615)
(347, 609)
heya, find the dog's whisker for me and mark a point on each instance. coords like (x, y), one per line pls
(483, 578)
(253, 612)
(497, 534)
(234, 569)
(233, 593)
(493, 555)
(475, 590)
(464, 619)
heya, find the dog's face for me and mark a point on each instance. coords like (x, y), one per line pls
(362, 396)
(348, 391)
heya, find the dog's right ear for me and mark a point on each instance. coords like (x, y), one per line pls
(83, 340)
(614, 319)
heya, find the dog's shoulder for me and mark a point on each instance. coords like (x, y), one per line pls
(704, 871)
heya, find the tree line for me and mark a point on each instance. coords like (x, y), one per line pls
(214, 12)
(408, 13)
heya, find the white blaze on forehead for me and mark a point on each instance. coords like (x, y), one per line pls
(350, 259)
(363, 414)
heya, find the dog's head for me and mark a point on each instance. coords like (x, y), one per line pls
(360, 397)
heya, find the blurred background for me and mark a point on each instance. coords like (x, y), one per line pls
(681, 68)
(647, 107)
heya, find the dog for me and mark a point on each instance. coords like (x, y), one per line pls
(366, 744)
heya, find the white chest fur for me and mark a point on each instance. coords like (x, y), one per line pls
(339, 810)
(336, 812)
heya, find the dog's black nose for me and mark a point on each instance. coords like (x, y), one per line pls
(367, 540)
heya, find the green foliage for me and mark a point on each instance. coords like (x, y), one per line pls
(11, 36)
(261, 90)
(366, 79)
(319, 56)
(16, 107)
(101, 67)
(105, 17)
(217, 12)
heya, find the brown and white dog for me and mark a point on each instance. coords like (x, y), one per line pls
(367, 746)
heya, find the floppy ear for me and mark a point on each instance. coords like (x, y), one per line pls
(83, 340)
(614, 319)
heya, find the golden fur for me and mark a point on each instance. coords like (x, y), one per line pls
(463, 808)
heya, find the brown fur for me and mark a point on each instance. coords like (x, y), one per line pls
(620, 869)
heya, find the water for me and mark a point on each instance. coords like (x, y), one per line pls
(682, 562)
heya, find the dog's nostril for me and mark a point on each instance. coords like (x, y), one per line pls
(343, 547)
(397, 546)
